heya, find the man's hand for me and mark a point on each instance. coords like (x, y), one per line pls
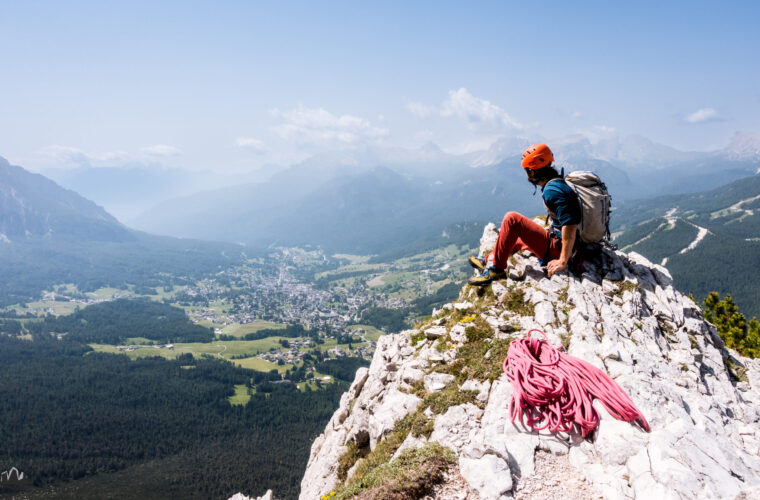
(555, 266)
(568, 241)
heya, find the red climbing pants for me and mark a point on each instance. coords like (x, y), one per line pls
(520, 233)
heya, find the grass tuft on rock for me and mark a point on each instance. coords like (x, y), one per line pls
(627, 286)
(353, 453)
(514, 300)
(478, 331)
(418, 337)
(439, 402)
(737, 372)
(471, 362)
(412, 475)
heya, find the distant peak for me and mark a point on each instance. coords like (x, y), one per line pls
(744, 146)
(431, 147)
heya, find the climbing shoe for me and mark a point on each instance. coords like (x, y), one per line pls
(486, 276)
(479, 264)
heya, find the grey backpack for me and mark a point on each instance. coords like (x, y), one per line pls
(595, 203)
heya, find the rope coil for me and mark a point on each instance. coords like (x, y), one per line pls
(554, 391)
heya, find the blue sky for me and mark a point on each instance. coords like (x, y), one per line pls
(235, 85)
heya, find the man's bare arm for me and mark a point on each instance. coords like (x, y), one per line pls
(568, 241)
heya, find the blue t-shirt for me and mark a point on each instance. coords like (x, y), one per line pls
(561, 203)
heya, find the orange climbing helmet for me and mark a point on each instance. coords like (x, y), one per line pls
(537, 156)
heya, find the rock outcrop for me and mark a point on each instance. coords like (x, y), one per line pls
(442, 383)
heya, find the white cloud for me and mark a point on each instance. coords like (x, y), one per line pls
(424, 136)
(576, 114)
(251, 144)
(703, 115)
(68, 156)
(470, 123)
(477, 112)
(419, 110)
(320, 127)
(161, 150)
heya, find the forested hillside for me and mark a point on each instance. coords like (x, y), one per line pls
(36, 264)
(50, 235)
(709, 241)
(115, 321)
(90, 425)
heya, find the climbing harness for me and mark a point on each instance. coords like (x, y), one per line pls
(554, 391)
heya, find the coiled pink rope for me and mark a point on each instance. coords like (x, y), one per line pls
(554, 391)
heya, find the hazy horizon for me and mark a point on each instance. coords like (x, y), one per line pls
(234, 87)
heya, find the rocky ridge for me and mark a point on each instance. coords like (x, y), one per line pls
(434, 401)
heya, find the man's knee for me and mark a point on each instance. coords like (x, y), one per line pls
(511, 219)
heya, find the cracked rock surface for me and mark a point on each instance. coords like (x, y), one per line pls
(624, 316)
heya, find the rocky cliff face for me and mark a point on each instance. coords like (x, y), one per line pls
(429, 416)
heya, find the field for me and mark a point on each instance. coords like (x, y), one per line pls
(43, 306)
(107, 293)
(261, 365)
(241, 396)
(243, 330)
(372, 333)
(223, 349)
(333, 343)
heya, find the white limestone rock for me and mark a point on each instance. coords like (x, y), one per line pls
(488, 475)
(435, 332)
(394, 406)
(240, 496)
(458, 333)
(544, 313)
(705, 439)
(454, 427)
(482, 388)
(498, 290)
(437, 381)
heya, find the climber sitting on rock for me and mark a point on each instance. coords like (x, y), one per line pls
(553, 247)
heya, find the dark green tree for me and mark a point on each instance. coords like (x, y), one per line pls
(733, 327)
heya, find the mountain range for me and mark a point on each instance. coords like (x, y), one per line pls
(50, 236)
(343, 202)
(32, 205)
(366, 201)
